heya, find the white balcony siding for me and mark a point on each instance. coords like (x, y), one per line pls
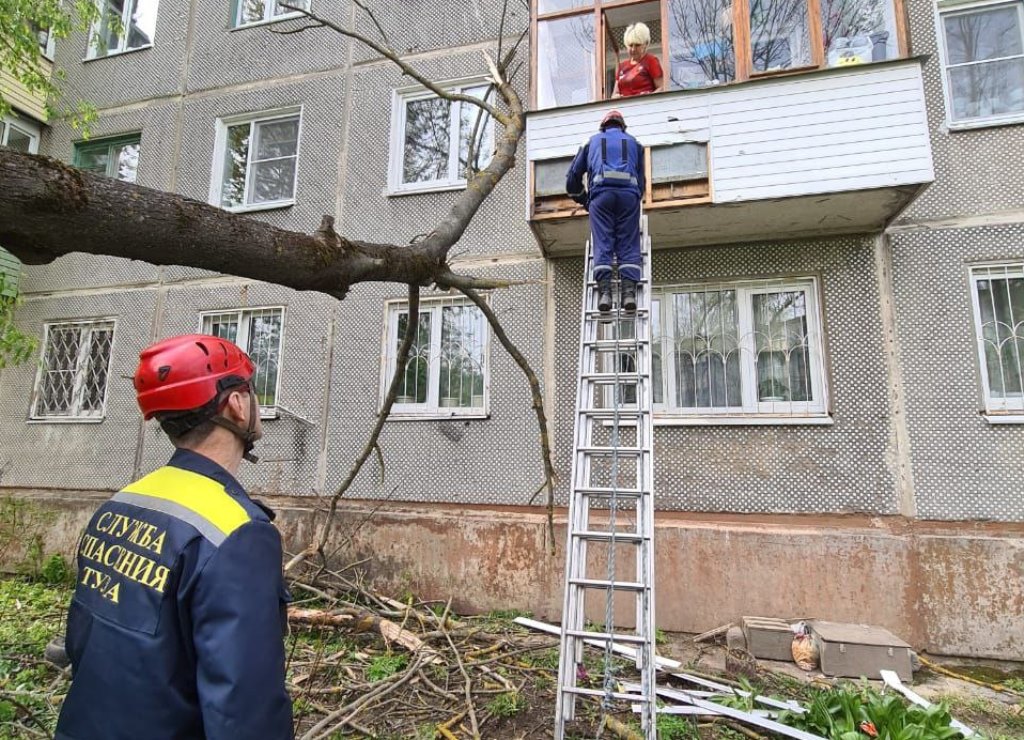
(834, 131)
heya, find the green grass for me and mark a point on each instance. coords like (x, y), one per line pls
(506, 705)
(385, 666)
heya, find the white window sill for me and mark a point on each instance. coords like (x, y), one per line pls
(761, 420)
(986, 123)
(267, 22)
(66, 419)
(431, 188)
(117, 53)
(259, 206)
(267, 414)
(468, 414)
(1005, 418)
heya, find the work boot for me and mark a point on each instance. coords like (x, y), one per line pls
(627, 296)
(604, 295)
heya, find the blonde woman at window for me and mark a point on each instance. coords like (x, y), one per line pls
(641, 73)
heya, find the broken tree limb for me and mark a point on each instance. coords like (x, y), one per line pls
(712, 633)
(362, 621)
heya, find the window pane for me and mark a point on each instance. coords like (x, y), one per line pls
(549, 176)
(273, 181)
(142, 24)
(657, 362)
(983, 34)
(857, 31)
(94, 382)
(679, 162)
(987, 89)
(706, 351)
(277, 139)
(475, 124)
(236, 157)
(700, 33)
(782, 345)
(550, 6)
(223, 325)
(1001, 302)
(278, 10)
(94, 159)
(616, 21)
(127, 161)
(264, 348)
(779, 35)
(462, 357)
(251, 11)
(565, 61)
(18, 140)
(427, 140)
(108, 35)
(56, 390)
(413, 388)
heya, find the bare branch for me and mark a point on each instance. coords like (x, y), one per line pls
(365, 9)
(449, 279)
(538, 404)
(296, 30)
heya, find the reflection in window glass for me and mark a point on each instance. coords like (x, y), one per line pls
(565, 61)
(779, 35)
(260, 160)
(985, 61)
(781, 343)
(114, 158)
(18, 140)
(258, 333)
(427, 140)
(551, 6)
(858, 31)
(257, 11)
(999, 301)
(123, 25)
(700, 33)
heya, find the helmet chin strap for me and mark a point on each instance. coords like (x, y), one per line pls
(247, 435)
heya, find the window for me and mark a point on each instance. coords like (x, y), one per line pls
(19, 134)
(738, 349)
(447, 372)
(72, 379)
(998, 296)
(984, 58)
(432, 137)
(116, 158)
(47, 45)
(703, 42)
(258, 332)
(256, 161)
(248, 12)
(123, 25)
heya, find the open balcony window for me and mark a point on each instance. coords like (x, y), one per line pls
(984, 59)
(123, 25)
(447, 371)
(998, 297)
(740, 349)
(615, 20)
(700, 43)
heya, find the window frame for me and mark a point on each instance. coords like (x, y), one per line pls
(77, 417)
(220, 150)
(996, 411)
(400, 98)
(110, 143)
(31, 130)
(237, 24)
(751, 411)
(244, 320)
(961, 8)
(122, 41)
(740, 24)
(393, 308)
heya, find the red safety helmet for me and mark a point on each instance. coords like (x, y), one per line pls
(613, 116)
(187, 372)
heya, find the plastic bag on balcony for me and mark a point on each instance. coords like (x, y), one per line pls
(850, 50)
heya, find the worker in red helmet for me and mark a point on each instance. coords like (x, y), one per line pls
(613, 162)
(176, 626)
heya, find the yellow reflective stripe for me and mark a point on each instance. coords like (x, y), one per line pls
(197, 493)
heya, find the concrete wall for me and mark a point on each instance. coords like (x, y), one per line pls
(945, 589)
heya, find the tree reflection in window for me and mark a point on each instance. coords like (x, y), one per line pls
(427, 140)
(462, 357)
(779, 35)
(414, 386)
(701, 44)
(707, 350)
(781, 344)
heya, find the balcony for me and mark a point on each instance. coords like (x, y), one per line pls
(834, 151)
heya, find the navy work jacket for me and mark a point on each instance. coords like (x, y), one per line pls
(589, 161)
(175, 630)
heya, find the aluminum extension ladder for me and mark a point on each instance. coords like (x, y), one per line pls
(612, 475)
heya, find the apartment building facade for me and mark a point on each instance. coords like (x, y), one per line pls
(835, 206)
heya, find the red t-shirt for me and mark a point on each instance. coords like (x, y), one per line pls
(636, 79)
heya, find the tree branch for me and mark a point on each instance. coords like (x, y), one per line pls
(538, 404)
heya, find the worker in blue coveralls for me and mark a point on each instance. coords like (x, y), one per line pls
(613, 162)
(176, 625)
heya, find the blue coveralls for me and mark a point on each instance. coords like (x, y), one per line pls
(614, 206)
(175, 630)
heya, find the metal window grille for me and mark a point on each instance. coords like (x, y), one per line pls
(998, 297)
(72, 380)
(259, 333)
(447, 371)
(738, 349)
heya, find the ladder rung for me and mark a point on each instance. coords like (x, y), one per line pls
(593, 313)
(626, 537)
(598, 583)
(605, 451)
(627, 414)
(608, 637)
(608, 492)
(614, 377)
(617, 695)
(613, 344)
